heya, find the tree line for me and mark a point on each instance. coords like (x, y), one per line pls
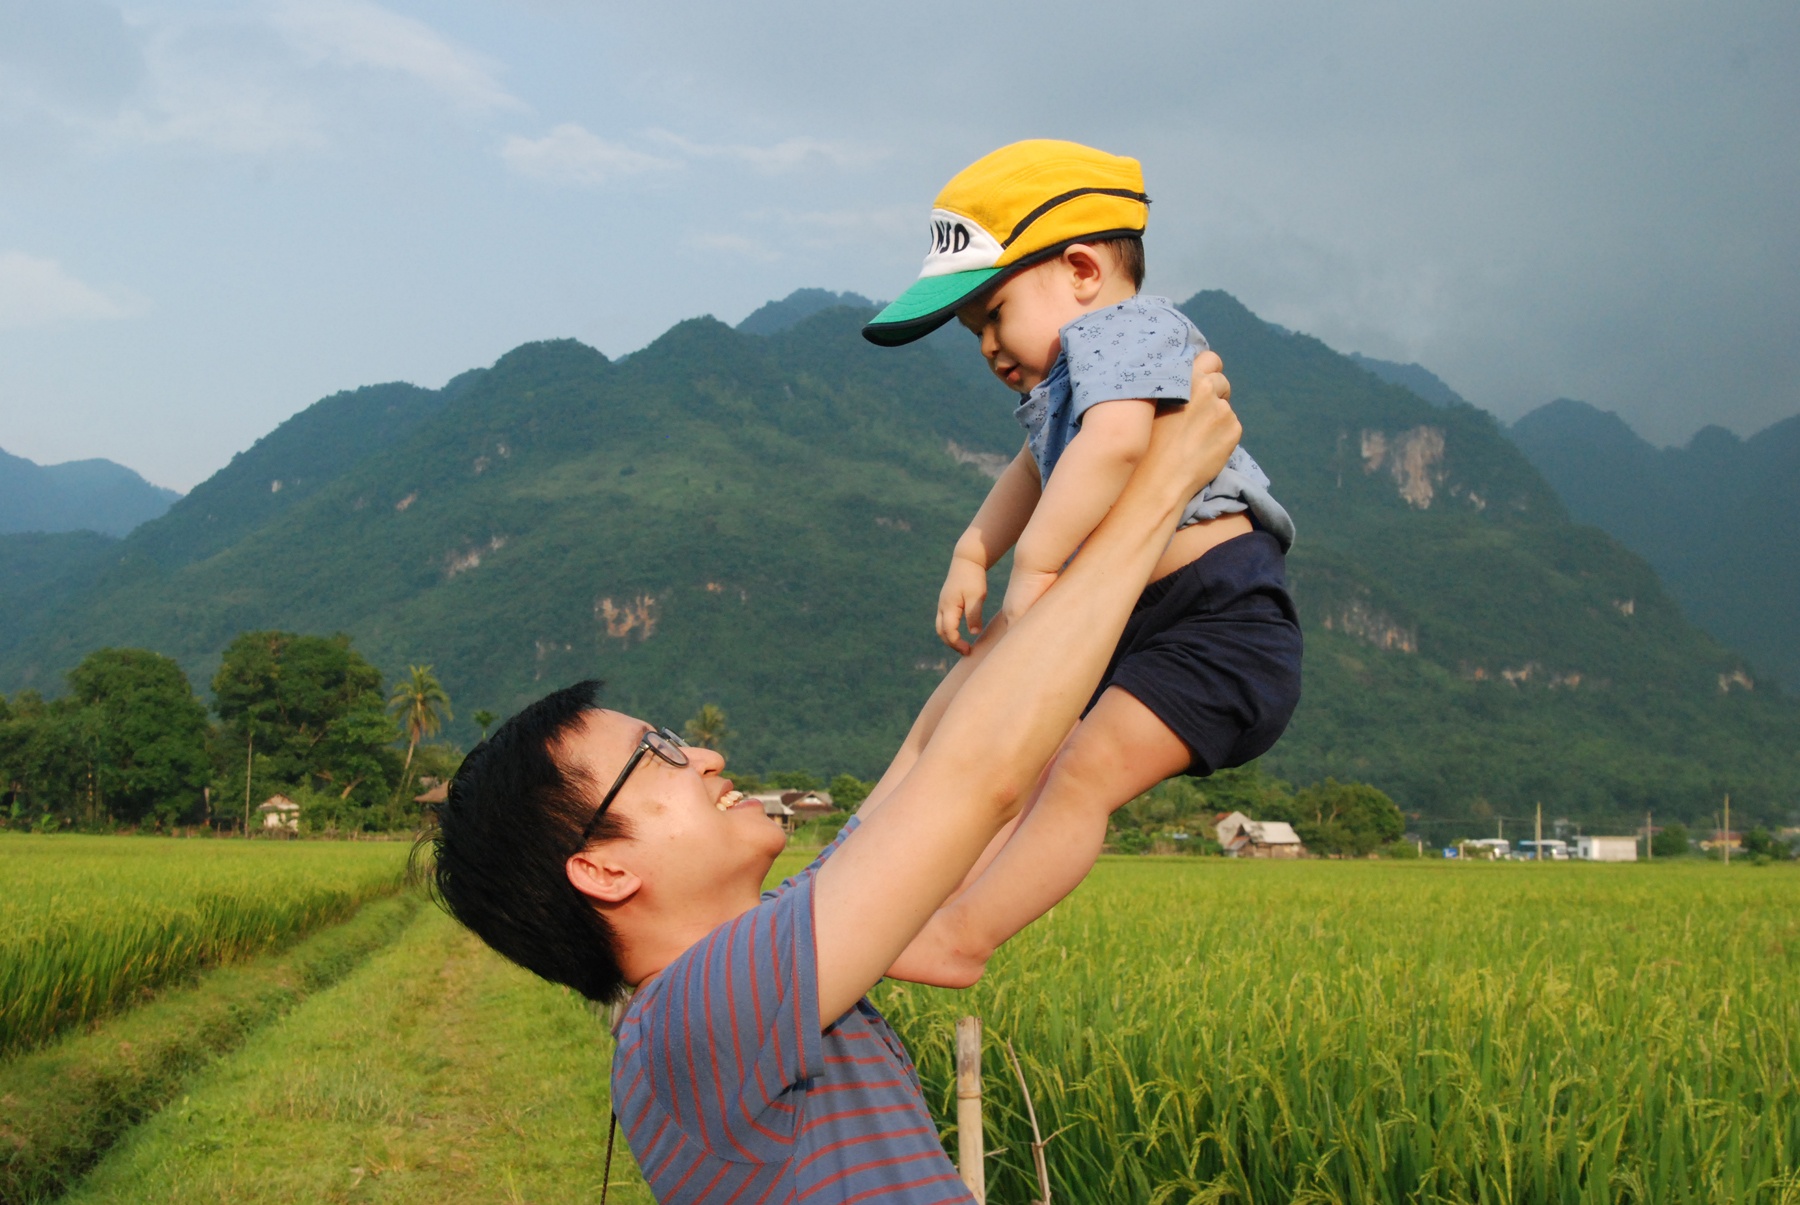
(1331, 818)
(131, 745)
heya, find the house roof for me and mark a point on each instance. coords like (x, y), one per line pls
(437, 794)
(772, 804)
(278, 803)
(1271, 832)
(1230, 826)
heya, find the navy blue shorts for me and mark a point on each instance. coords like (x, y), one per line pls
(1213, 650)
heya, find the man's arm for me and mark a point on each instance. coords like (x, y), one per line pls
(994, 529)
(994, 737)
(1087, 481)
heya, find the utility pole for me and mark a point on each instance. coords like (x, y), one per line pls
(1728, 828)
(1500, 829)
(1649, 848)
(249, 764)
(1537, 845)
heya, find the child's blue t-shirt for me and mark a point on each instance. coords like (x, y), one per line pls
(1140, 348)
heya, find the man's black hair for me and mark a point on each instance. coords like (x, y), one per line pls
(513, 817)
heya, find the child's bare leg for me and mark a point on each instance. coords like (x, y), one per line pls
(1114, 755)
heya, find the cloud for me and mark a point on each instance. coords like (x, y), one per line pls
(571, 154)
(238, 81)
(222, 86)
(35, 291)
(734, 244)
(353, 33)
(836, 227)
(784, 156)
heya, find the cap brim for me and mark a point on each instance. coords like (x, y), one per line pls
(927, 305)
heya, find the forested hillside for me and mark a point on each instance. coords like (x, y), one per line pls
(79, 495)
(762, 521)
(1717, 517)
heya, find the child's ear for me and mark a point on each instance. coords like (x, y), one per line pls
(1087, 271)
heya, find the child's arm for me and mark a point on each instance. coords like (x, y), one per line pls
(1087, 481)
(993, 530)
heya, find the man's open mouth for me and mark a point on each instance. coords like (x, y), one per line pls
(729, 800)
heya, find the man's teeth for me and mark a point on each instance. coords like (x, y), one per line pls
(729, 800)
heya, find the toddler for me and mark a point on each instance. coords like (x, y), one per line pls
(1037, 249)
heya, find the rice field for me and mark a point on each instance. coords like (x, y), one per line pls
(1204, 1030)
(1192, 1030)
(88, 925)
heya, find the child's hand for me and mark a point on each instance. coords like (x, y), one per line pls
(964, 592)
(1022, 591)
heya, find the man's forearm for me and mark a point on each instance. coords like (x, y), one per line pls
(1007, 720)
(882, 886)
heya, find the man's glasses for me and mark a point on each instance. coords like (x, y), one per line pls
(660, 741)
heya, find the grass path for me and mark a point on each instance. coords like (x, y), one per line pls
(436, 1072)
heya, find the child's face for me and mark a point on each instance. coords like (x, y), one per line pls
(1020, 323)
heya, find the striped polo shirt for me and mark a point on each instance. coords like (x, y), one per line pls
(729, 1093)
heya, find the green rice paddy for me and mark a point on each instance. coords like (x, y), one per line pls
(1190, 1029)
(88, 924)
(1388, 1032)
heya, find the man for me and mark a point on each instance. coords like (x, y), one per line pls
(600, 853)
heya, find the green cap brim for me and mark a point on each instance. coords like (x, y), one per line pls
(927, 305)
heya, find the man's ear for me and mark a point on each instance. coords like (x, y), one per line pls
(1086, 269)
(601, 878)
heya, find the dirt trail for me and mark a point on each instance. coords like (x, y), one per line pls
(436, 1072)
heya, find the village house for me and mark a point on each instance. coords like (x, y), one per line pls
(279, 814)
(1243, 837)
(794, 808)
(1606, 849)
(774, 809)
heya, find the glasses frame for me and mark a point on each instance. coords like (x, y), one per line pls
(660, 741)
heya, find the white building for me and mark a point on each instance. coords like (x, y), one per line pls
(280, 814)
(1548, 850)
(1606, 849)
(1243, 837)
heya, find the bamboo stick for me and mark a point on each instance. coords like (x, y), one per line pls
(970, 1159)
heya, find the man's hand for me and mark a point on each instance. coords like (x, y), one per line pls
(964, 592)
(1192, 442)
(1024, 588)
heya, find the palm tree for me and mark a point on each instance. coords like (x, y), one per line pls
(416, 702)
(707, 727)
(486, 719)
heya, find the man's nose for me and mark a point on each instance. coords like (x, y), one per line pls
(707, 761)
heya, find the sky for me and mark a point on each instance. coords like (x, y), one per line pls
(213, 214)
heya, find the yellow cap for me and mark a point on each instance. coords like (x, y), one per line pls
(1021, 203)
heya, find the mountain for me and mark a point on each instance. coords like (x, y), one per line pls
(773, 317)
(1416, 377)
(1716, 518)
(287, 467)
(79, 495)
(762, 522)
